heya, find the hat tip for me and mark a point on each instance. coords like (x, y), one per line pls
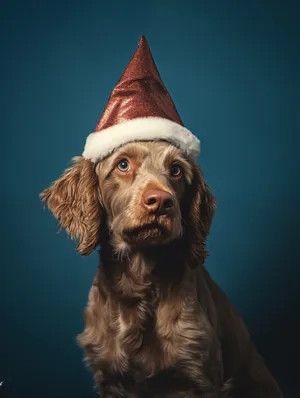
(142, 39)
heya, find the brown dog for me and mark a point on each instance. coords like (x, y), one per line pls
(156, 325)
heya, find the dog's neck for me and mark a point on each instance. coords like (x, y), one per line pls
(143, 269)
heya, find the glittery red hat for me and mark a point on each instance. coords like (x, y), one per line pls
(139, 108)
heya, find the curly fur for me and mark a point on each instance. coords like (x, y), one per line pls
(156, 324)
(74, 200)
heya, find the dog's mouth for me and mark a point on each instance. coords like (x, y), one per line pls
(156, 231)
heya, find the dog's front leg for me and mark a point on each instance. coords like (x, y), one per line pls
(193, 394)
(117, 391)
(113, 384)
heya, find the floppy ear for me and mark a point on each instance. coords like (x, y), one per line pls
(201, 212)
(74, 199)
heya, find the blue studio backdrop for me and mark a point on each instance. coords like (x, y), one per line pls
(232, 68)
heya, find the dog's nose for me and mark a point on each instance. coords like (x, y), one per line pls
(156, 201)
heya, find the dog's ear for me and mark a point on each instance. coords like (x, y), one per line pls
(74, 199)
(202, 207)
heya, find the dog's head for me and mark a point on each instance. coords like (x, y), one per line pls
(146, 194)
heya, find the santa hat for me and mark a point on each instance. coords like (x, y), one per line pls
(139, 109)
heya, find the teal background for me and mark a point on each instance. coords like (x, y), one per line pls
(232, 68)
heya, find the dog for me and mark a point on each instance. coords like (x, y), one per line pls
(156, 324)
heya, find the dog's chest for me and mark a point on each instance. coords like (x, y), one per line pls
(151, 342)
(164, 335)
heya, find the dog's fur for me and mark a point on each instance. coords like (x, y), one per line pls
(156, 325)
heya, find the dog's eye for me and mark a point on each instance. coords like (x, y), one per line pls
(175, 170)
(124, 165)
